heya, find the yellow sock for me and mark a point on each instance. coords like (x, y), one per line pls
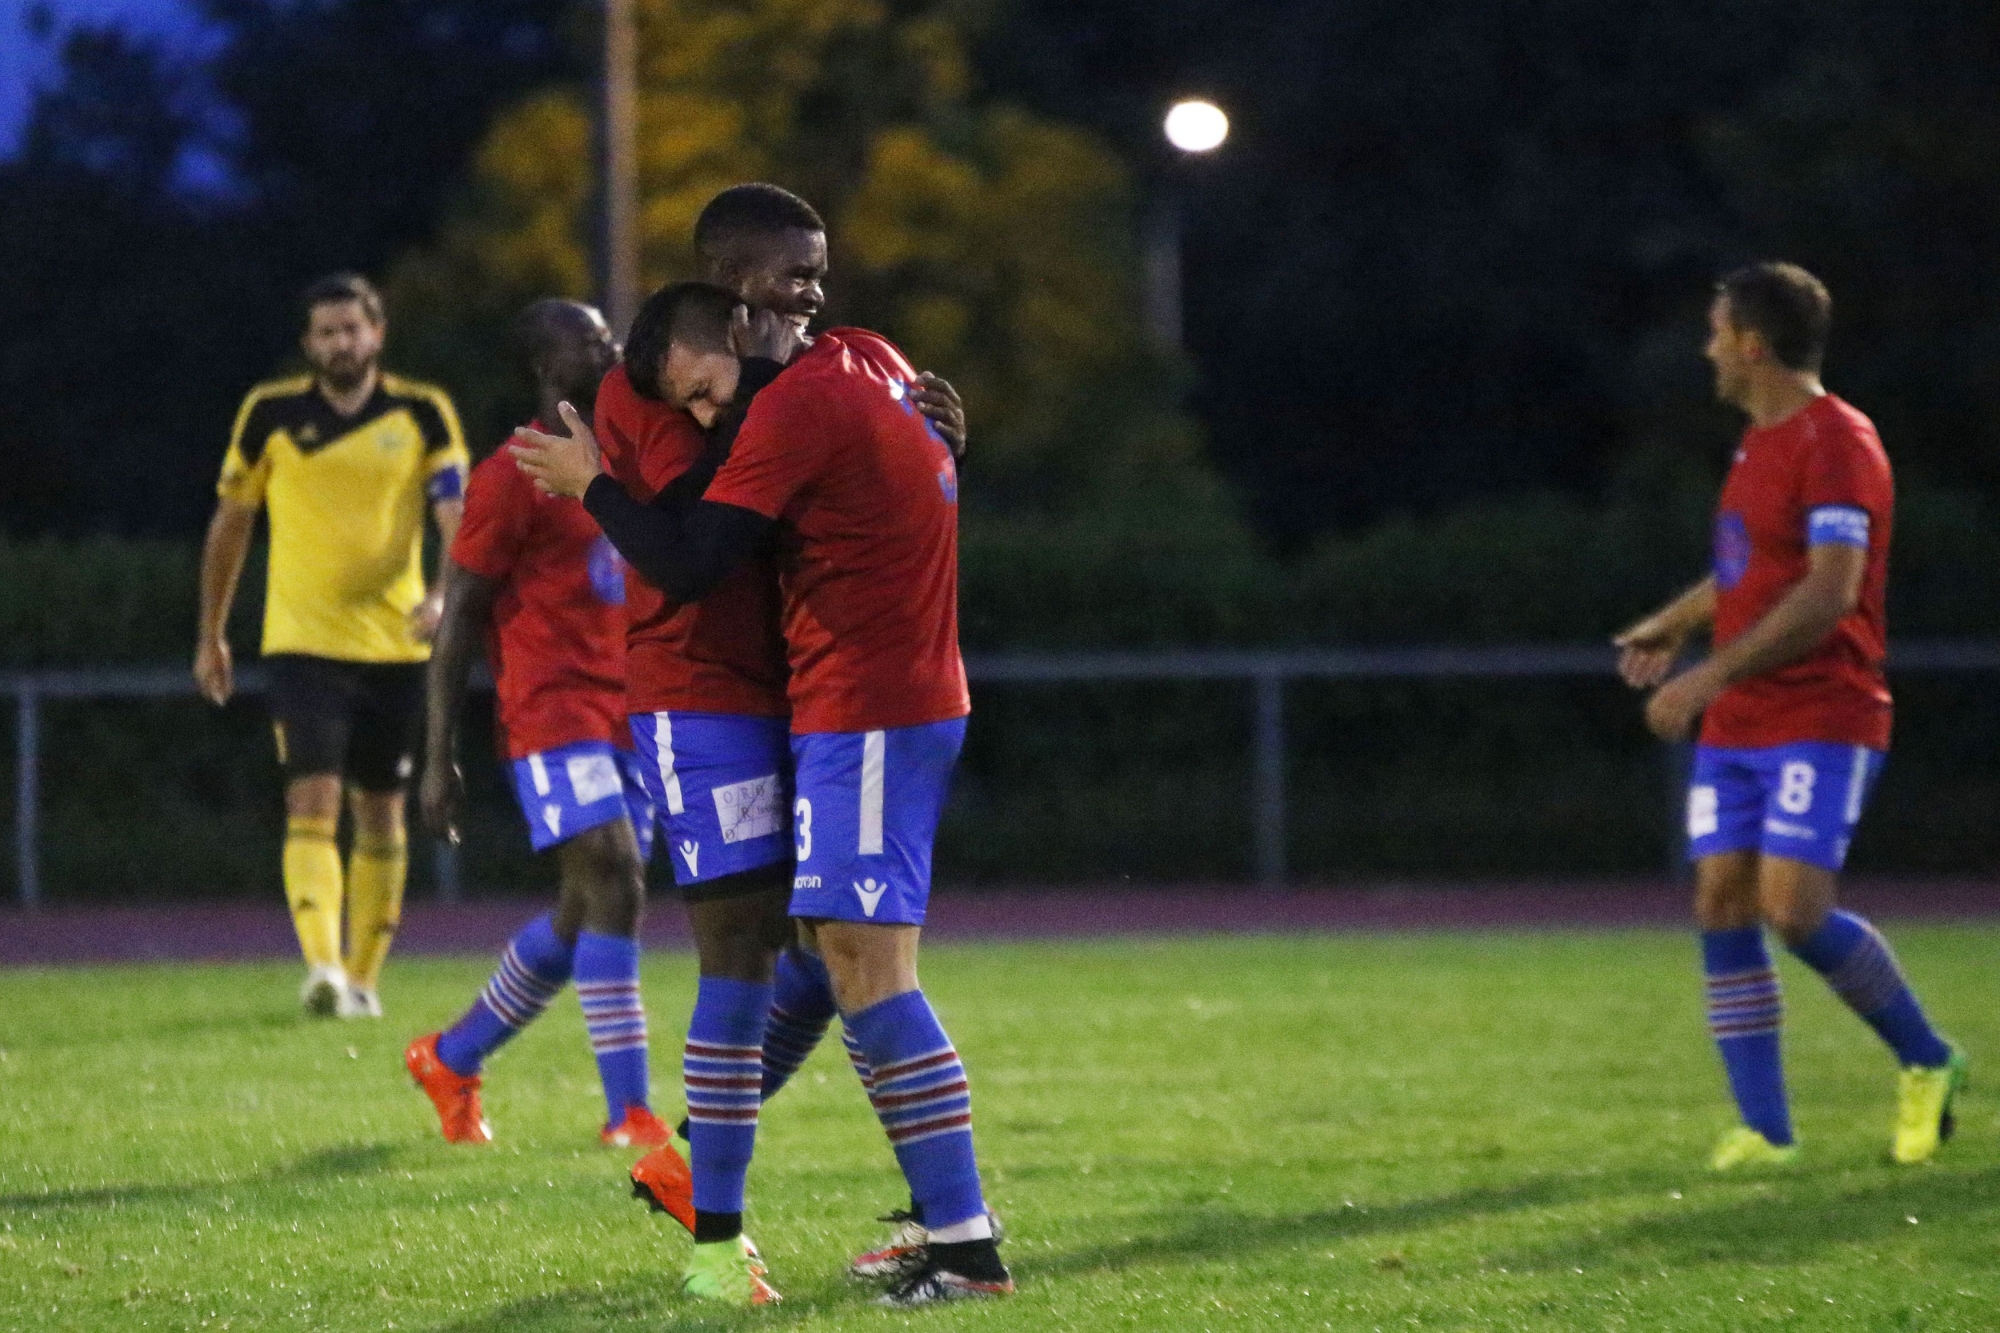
(375, 874)
(312, 887)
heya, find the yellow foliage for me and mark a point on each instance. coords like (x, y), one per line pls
(994, 245)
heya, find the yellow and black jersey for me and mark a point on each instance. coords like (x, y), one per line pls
(347, 498)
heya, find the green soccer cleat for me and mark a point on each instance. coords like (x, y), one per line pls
(1744, 1146)
(728, 1273)
(1923, 1109)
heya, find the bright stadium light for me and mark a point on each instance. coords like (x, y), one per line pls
(1195, 126)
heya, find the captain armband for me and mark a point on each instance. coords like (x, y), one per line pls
(1841, 525)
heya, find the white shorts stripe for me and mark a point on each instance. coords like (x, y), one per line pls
(1857, 783)
(540, 772)
(872, 747)
(663, 742)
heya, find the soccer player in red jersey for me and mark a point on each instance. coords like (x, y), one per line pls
(532, 577)
(835, 463)
(706, 688)
(1794, 713)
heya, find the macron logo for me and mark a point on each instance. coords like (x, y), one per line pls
(691, 853)
(870, 894)
(552, 816)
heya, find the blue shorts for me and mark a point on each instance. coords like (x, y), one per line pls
(1800, 800)
(722, 785)
(866, 815)
(572, 788)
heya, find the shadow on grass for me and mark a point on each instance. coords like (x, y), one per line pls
(1206, 1233)
(657, 1306)
(1795, 1219)
(352, 1159)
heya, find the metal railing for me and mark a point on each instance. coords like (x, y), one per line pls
(1267, 672)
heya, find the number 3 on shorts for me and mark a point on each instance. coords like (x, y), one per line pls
(1795, 787)
(802, 827)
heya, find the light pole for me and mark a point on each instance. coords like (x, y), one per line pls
(618, 253)
(1193, 128)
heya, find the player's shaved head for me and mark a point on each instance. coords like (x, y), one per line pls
(694, 315)
(745, 216)
(566, 347)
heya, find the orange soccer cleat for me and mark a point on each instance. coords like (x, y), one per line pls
(639, 1129)
(455, 1096)
(663, 1180)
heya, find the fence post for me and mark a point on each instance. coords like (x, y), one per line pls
(27, 795)
(1267, 812)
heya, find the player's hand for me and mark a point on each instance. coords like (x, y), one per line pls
(938, 401)
(1646, 652)
(440, 798)
(1674, 707)
(214, 672)
(559, 464)
(426, 616)
(765, 334)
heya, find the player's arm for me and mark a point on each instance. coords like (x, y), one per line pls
(222, 556)
(1799, 623)
(681, 544)
(447, 465)
(246, 472)
(467, 606)
(1648, 648)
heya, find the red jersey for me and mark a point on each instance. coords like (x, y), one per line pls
(868, 494)
(723, 654)
(1819, 475)
(556, 642)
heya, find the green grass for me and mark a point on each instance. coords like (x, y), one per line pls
(1452, 1131)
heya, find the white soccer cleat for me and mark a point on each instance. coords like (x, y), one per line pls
(359, 1002)
(325, 993)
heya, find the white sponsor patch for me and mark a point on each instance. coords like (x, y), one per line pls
(753, 809)
(1701, 812)
(593, 777)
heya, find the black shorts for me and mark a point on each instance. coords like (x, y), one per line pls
(357, 719)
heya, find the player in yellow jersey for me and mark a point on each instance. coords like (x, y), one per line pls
(346, 460)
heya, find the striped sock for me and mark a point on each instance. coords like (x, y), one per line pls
(918, 1088)
(532, 971)
(801, 1007)
(607, 985)
(723, 1074)
(1745, 1014)
(1857, 962)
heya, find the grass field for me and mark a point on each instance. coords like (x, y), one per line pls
(1471, 1131)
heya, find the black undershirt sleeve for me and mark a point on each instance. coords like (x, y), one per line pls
(680, 543)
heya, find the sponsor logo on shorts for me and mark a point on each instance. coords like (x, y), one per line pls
(552, 816)
(593, 777)
(753, 809)
(805, 881)
(1784, 828)
(691, 853)
(870, 894)
(1702, 820)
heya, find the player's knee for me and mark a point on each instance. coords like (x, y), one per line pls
(1795, 921)
(313, 796)
(603, 885)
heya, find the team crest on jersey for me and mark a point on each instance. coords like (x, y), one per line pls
(607, 572)
(1732, 550)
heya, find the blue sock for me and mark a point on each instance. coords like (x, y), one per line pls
(801, 1007)
(918, 1088)
(723, 1072)
(1745, 1015)
(607, 984)
(1857, 963)
(532, 971)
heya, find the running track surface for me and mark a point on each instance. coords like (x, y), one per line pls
(240, 930)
